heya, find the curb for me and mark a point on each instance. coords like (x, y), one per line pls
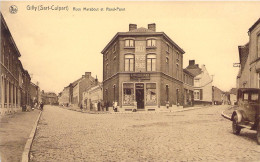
(27, 147)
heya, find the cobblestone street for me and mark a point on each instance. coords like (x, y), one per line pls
(196, 135)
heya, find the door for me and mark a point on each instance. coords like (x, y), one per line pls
(139, 93)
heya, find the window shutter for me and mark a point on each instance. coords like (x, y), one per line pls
(201, 94)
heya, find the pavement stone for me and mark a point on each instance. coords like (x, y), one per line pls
(197, 135)
(15, 129)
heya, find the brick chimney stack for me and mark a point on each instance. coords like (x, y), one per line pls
(191, 62)
(87, 74)
(132, 27)
(152, 27)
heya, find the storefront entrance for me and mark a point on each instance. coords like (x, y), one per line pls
(139, 93)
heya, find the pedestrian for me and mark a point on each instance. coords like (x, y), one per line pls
(41, 106)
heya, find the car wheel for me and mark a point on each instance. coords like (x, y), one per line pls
(258, 134)
(236, 129)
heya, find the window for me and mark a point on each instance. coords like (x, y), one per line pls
(107, 70)
(129, 62)
(114, 89)
(254, 97)
(258, 45)
(128, 98)
(196, 94)
(177, 71)
(258, 74)
(151, 62)
(168, 48)
(150, 43)
(245, 96)
(167, 64)
(114, 48)
(167, 92)
(151, 98)
(106, 55)
(196, 82)
(129, 43)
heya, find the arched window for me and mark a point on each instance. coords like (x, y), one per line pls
(129, 62)
(151, 62)
(151, 43)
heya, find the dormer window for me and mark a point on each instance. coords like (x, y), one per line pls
(151, 42)
(129, 43)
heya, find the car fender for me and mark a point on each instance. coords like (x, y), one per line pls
(240, 115)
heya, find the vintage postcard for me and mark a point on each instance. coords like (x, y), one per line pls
(130, 81)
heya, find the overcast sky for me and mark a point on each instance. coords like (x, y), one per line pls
(58, 47)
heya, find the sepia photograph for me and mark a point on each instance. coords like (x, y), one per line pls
(130, 81)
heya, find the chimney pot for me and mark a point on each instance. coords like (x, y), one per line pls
(152, 27)
(132, 27)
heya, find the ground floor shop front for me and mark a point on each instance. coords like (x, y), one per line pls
(149, 92)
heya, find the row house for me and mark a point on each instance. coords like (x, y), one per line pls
(35, 94)
(143, 70)
(188, 82)
(217, 96)
(93, 97)
(15, 80)
(203, 93)
(73, 94)
(249, 57)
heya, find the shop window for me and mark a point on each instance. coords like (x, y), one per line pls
(129, 43)
(151, 42)
(151, 97)
(128, 97)
(151, 62)
(129, 62)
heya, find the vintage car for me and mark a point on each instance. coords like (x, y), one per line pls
(247, 112)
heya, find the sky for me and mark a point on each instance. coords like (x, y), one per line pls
(58, 47)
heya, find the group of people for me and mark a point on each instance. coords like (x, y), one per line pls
(39, 105)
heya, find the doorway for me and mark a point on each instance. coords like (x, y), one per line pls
(139, 93)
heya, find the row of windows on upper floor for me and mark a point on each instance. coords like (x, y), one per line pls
(130, 43)
(129, 64)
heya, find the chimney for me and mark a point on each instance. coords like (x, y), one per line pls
(152, 27)
(87, 74)
(132, 27)
(191, 62)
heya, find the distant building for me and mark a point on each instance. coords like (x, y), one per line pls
(249, 54)
(142, 69)
(73, 93)
(64, 97)
(188, 82)
(202, 83)
(233, 96)
(49, 98)
(34, 93)
(217, 96)
(15, 80)
(93, 97)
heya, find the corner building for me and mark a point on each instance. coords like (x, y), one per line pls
(142, 69)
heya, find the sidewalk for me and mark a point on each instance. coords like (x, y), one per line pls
(15, 129)
(130, 112)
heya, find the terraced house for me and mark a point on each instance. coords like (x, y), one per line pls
(249, 55)
(15, 80)
(143, 70)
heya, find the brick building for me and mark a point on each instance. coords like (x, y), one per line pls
(92, 97)
(249, 54)
(142, 69)
(188, 82)
(15, 81)
(202, 83)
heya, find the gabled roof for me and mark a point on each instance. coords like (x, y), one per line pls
(194, 71)
(188, 72)
(253, 26)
